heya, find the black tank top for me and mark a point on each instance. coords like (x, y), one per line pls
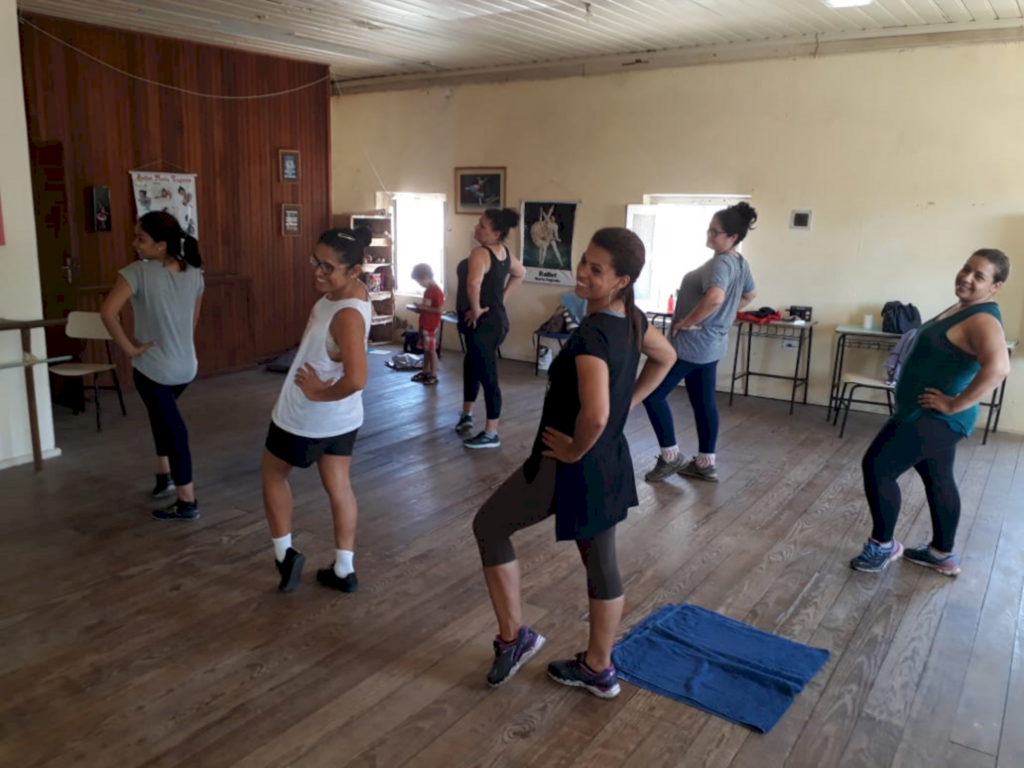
(492, 289)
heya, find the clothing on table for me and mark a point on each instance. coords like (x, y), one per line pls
(700, 388)
(935, 362)
(297, 414)
(164, 305)
(596, 492)
(731, 273)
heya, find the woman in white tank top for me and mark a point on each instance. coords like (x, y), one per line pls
(320, 408)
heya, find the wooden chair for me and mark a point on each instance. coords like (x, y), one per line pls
(851, 383)
(89, 327)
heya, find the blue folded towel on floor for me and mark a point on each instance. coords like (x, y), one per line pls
(714, 663)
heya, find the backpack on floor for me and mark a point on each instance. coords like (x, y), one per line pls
(898, 317)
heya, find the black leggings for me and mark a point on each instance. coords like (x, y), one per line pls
(480, 365)
(518, 504)
(169, 432)
(929, 446)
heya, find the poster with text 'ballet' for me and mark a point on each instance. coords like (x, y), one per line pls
(547, 230)
(174, 193)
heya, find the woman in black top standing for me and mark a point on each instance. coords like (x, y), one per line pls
(486, 279)
(580, 470)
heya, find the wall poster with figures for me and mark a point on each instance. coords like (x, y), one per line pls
(547, 231)
(174, 193)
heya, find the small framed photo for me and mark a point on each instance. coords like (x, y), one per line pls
(101, 209)
(477, 189)
(291, 220)
(288, 165)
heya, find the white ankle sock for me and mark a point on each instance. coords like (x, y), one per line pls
(671, 453)
(705, 459)
(281, 546)
(343, 562)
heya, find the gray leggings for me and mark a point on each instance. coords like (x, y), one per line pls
(519, 504)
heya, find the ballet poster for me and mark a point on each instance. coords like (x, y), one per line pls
(174, 193)
(547, 242)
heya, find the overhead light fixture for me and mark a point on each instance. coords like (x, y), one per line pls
(847, 3)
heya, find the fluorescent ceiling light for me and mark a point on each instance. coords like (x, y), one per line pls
(847, 3)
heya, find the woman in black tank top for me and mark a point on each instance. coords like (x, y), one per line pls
(486, 278)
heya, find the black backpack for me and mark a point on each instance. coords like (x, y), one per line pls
(898, 317)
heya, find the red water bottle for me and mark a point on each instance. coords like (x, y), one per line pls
(671, 303)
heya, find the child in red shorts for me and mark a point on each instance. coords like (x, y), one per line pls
(430, 320)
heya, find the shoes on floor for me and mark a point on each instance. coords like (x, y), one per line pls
(429, 381)
(663, 469)
(420, 377)
(876, 557)
(575, 672)
(483, 440)
(179, 510)
(164, 487)
(329, 578)
(290, 569)
(509, 657)
(922, 555)
(692, 469)
(465, 424)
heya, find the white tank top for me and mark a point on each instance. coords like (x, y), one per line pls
(296, 413)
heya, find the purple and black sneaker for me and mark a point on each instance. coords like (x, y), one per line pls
(575, 672)
(509, 657)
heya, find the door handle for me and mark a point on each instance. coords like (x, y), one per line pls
(70, 273)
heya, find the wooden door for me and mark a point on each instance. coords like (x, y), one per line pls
(57, 267)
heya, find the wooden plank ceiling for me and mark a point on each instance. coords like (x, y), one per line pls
(376, 38)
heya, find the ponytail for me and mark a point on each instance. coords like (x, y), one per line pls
(190, 252)
(162, 227)
(634, 316)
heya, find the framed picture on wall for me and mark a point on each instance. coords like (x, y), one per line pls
(477, 189)
(101, 209)
(291, 220)
(548, 228)
(288, 165)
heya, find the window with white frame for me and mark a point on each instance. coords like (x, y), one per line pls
(419, 238)
(674, 231)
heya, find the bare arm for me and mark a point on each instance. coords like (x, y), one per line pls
(119, 295)
(987, 342)
(595, 405)
(195, 315)
(516, 273)
(349, 330)
(479, 265)
(712, 299)
(660, 359)
(424, 309)
(746, 298)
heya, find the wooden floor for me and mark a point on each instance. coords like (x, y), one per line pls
(129, 642)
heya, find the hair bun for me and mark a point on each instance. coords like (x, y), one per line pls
(510, 218)
(747, 212)
(363, 236)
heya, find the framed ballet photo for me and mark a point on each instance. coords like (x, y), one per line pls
(288, 165)
(547, 241)
(477, 189)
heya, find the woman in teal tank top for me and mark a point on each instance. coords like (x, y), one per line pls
(956, 359)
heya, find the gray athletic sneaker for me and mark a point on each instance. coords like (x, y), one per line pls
(509, 657)
(465, 424)
(664, 468)
(692, 469)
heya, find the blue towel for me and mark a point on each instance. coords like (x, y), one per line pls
(711, 662)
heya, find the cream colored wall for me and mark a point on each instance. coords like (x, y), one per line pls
(20, 296)
(909, 161)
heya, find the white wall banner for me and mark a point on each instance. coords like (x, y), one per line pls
(174, 193)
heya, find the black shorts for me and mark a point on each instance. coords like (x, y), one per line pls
(305, 451)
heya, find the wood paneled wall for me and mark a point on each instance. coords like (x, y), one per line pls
(259, 286)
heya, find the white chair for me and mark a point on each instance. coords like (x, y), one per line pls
(851, 383)
(88, 326)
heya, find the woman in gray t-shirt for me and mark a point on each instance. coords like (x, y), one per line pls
(706, 306)
(165, 288)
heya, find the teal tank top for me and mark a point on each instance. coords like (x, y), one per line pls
(933, 361)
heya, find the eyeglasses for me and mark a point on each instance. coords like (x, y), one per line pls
(715, 232)
(323, 266)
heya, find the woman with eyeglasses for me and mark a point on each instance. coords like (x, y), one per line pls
(165, 288)
(706, 307)
(320, 408)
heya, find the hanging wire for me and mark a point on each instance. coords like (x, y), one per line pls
(89, 56)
